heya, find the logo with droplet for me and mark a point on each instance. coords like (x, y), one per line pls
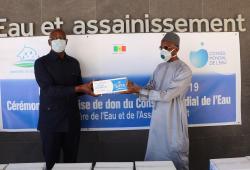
(199, 58)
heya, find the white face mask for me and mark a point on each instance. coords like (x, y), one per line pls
(58, 45)
(166, 55)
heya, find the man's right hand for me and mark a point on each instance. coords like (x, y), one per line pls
(85, 88)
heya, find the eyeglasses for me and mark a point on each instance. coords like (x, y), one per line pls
(164, 47)
(167, 48)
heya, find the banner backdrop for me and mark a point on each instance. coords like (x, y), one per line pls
(214, 97)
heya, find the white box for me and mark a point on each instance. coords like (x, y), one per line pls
(108, 168)
(154, 168)
(3, 166)
(154, 163)
(129, 165)
(157, 165)
(110, 85)
(239, 163)
(72, 166)
(26, 166)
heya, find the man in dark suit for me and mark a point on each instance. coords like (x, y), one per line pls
(60, 81)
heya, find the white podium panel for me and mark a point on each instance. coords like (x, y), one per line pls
(114, 165)
(239, 163)
(155, 168)
(26, 166)
(154, 165)
(72, 166)
(114, 168)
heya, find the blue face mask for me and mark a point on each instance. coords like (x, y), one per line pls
(166, 55)
(58, 45)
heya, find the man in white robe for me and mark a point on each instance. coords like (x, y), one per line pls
(168, 135)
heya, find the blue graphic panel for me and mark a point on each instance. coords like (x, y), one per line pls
(211, 99)
(216, 98)
(20, 104)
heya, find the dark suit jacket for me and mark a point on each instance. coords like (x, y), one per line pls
(57, 78)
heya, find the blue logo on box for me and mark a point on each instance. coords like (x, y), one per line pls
(119, 84)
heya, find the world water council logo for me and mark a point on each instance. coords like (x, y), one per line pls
(199, 58)
(26, 57)
(202, 57)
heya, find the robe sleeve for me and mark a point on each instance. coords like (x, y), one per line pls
(177, 87)
(143, 94)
